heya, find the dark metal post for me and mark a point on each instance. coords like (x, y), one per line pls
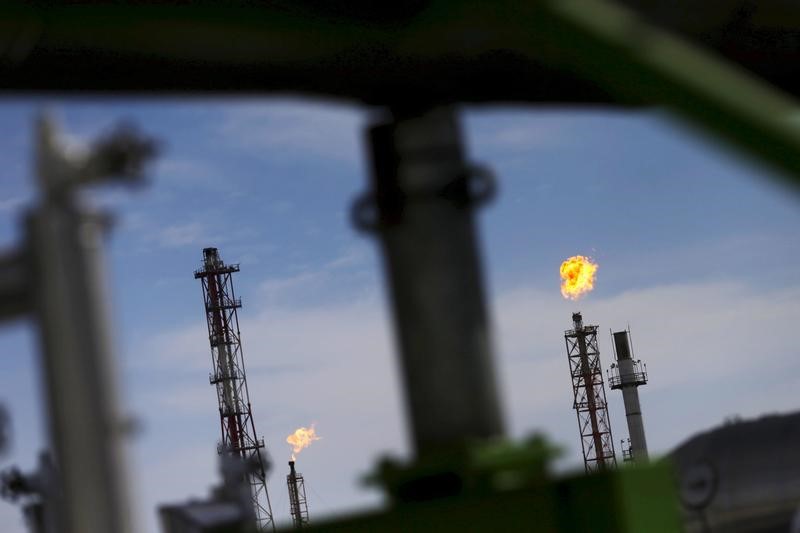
(423, 198)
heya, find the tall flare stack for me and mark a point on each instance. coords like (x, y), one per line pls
(236, 418)
(589, 396)
(298, 505)
(628, 375)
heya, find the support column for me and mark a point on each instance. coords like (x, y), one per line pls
(422, 200)
(65, 254)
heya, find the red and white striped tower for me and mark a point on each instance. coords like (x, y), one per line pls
(236, 417)
(589, 396)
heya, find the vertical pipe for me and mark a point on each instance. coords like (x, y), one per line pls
(432, 263)
(69, 300)
(73, 319)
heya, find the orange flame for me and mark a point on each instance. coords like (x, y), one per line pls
(577, 276)
(302, 439)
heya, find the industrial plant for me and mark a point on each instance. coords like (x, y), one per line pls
(241, 499)
(588, 390)
(410, 68)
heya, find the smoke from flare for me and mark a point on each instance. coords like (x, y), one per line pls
(577, 276)
(302, 439)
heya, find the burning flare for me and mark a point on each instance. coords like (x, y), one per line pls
(577, 276)
(302, 439)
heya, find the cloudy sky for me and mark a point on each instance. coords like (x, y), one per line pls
(698, 252)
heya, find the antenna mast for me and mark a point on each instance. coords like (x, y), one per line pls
(236, 417)
(589, 396)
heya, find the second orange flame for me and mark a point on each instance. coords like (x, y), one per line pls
(302, 439)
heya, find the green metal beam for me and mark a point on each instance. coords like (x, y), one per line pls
(642, 65)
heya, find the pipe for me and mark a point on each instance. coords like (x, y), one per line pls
(423, 193)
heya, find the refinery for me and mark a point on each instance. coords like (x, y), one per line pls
(472, 451)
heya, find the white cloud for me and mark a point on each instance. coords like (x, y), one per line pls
(275, 286)
(177, 235)
(519, 131)
(12, 203)
(721, 325)
(181, 168)
(312, 280)
(348, 258)
(281, 207)
(278, 129)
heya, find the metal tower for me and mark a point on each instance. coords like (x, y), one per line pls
(298, 505)
(589, 396)
(627, 375)
(236, 417)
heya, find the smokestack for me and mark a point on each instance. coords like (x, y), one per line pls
(627, 375)
(298, 506)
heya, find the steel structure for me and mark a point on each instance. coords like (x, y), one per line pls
(238, 429)
(589, 396)
(628, 375)
(298, 504)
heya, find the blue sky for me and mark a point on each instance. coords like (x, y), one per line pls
(697, 247)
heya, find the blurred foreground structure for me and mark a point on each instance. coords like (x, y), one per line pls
(56, 278)
(412, 63)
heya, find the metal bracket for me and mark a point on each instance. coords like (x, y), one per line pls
(372, 211)
(15, 297)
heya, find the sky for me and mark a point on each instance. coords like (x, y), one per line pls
(697, 249)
